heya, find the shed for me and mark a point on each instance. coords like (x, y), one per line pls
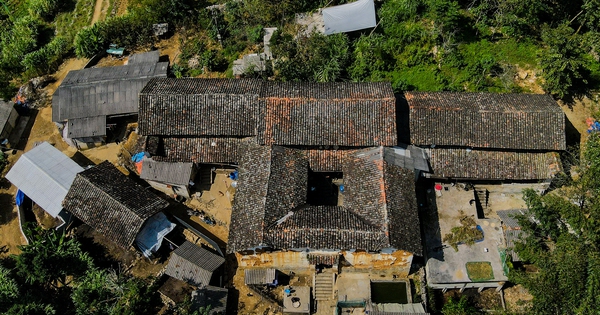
(110, 202)
(211, 296)
(193, 264)
(260, 276)
(8, 119)
(92, 94)
(45, 175)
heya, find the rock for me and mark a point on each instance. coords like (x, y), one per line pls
(523, 74)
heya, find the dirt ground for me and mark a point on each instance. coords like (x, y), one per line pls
(170, 47)
(216, 202)
(100, 10)
(517, 299)
(578, 112)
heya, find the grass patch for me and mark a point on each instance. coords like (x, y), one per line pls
(69, 23)
(480, 271)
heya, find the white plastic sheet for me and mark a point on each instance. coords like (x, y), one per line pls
(153, 232)
(349, 17)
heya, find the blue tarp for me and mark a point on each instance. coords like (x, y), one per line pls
(152, 233)
(19, 198)
(137, 157)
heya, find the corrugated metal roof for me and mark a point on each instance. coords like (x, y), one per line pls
(103, 91)
(45, 175)
(486, 120)
(259, 276)
(193, 264)
(508, 217)
(112, 203)
(511, 237)
(167, 172)
(493, 165)
(87, 127)
(147, 57)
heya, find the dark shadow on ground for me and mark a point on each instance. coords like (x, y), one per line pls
(8, 214)
(402, 119)
(27, 131)
(81, 159)
(430, 221)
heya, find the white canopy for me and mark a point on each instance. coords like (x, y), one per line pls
(349, 17)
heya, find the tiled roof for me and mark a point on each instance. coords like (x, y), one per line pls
(325, 227)
(273, 182)
(110, 202)
(193, 264)
(486, 120)
(493, 165)
(199, 107)
(326, 160)
(199, 150)
(342, 114)
(103, 91)
(176, 173)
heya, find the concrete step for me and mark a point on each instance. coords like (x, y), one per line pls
(323, 286)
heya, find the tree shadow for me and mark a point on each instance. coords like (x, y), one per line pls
(7, 214)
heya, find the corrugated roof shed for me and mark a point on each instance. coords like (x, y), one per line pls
(259, 276)
(110, 202)
(147, 57)
(337, 113)
(45, 175)
(199, 107)
(176, 173)
(193, 264)
(486, 120)
(379, 209)
(103, 91)
(493, 165)
(214, 297)
(508, 217)
(198, 150)
(87, 127)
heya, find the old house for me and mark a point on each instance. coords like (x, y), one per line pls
(487, 136)
(88, 101)
(198, 120)
(44, 174)
(114, 205)
(484, 149)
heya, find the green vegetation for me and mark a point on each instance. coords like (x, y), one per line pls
(467, 233)
(563, 242)
(459, 307)
(53, 275)
(480, 270)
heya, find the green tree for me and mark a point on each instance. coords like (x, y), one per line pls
(562, 242)
(460, 307)
(51, 258)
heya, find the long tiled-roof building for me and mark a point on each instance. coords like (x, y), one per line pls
(486, 136)
(198, 120)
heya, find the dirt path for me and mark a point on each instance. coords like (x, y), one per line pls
(100, 4)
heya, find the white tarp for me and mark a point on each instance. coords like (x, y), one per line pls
(153, 232)
(349, 17)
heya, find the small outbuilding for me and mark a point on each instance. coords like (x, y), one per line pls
(171, 178)
(260, 276)
(45, 175)
(193, 264)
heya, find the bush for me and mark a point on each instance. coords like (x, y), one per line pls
(45, 9)
(90, 41)
(47, 59)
